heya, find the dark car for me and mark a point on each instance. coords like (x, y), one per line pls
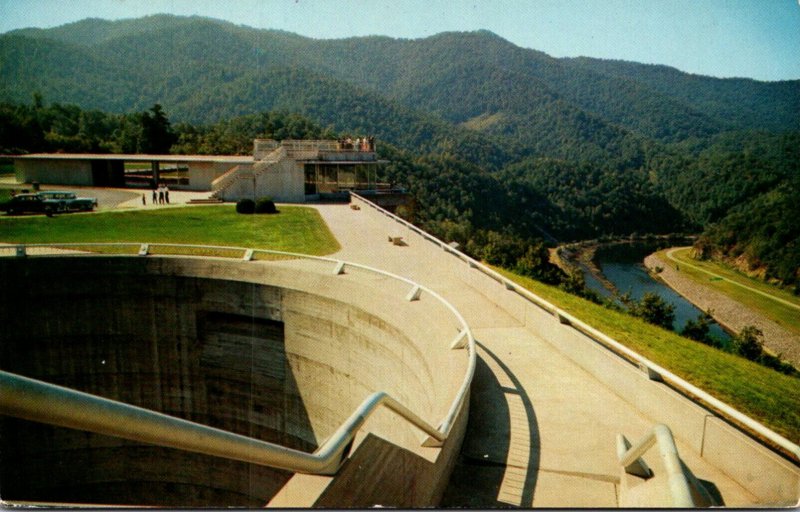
(49, 202)
(22, 203)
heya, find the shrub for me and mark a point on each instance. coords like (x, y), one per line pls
(748, 342)
(652, 308)
(245, 206)
(265, 205)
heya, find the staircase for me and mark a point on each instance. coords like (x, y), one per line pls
(231, 178)
(208, 200)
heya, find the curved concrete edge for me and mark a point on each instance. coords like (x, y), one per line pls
(426, 470)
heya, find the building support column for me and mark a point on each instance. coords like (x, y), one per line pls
(154, 166)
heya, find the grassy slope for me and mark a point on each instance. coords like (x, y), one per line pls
(295, 229)
(766, 395)
(781, 314)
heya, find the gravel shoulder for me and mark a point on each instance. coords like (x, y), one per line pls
(730, 313)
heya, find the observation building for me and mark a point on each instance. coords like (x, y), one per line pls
(290, 171)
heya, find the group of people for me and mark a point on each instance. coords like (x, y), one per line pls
(160, 195)
(357, 144)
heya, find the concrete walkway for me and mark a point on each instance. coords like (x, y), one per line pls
(541, 430)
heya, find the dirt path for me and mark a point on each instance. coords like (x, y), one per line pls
(728, 312)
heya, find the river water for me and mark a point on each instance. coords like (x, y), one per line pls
(622, 265)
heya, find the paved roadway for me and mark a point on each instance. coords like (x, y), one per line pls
(124, 198)
(541, 429)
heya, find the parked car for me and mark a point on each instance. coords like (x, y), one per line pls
(21, 203)
(49, 202)
(59, 201)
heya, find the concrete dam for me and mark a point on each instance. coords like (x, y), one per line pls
(281, 352)
(500, 398)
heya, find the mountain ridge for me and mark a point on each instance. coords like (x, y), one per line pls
(552, 136)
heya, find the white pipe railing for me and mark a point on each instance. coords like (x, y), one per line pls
(464, 338)
(679, 487)
(39, 401)
(753, 426)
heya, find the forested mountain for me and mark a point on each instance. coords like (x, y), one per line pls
(488, 134)
(736, 103)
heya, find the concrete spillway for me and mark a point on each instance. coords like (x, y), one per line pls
(280, 351)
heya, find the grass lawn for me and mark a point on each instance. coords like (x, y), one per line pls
(294, 229)
(764, 394)
(783, 315)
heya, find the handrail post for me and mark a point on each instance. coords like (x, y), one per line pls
(638, 467)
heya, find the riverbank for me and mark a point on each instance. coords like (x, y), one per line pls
(727, 312)
(582, 256)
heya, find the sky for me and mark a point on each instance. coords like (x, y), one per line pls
(757, 39)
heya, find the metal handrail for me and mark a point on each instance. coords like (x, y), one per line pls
(571, 321)
(678, 483)
(34, 400)
(464, 339)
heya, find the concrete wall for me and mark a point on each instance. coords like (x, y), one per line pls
(283, 181)
(60, 172)
(281, 351)
(201, 174)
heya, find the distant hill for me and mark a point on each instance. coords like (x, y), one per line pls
(669, 149)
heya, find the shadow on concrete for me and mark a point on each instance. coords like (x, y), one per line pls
(483, 463)
(401, 479)
(713, 491)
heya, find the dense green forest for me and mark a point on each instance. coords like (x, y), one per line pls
(495, 142)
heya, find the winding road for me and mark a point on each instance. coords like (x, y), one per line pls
(754, 290)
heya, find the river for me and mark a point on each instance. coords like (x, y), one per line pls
(621, 264)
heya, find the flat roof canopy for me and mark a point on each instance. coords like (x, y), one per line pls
(344, 162)
(238, 159)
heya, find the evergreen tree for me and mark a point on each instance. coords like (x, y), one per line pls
(157, 134)
(748, 343)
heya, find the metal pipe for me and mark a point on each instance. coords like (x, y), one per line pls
(676, 478)
(678, 483)
(35, 400)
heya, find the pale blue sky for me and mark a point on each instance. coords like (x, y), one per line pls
(747, 38)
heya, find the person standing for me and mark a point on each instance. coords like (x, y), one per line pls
(161, 194)
(155, 196)
(166, 194)
(144, 203)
